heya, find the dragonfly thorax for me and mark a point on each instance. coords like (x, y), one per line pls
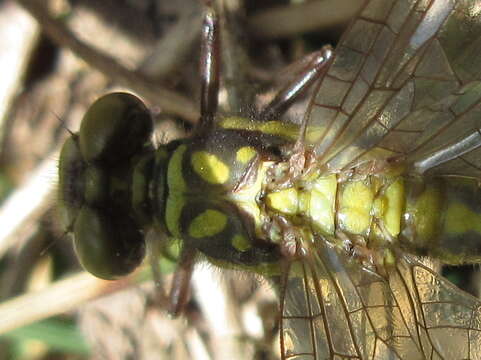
(211, 199)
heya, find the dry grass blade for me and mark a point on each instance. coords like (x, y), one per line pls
(284, 21)
(24, 207)
(63, 296)
(169, 101)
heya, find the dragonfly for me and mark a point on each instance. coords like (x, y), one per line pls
(341, 210)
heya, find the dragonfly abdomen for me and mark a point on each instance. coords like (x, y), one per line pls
(370, 208)
(442, 218)
(437, 216)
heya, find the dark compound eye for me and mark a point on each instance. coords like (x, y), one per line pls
(114, 128)
(108, 243)
(97, 185)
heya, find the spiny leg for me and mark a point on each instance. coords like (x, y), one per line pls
(209, 74)
(210, 59)
(155, 242)
(291, 91)
(301, 160)
(209, 67)
(180, 290)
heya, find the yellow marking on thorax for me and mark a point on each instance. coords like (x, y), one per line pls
(173, 210)
(209, 223)
(177, 186)
(240, 243)
(269, 127)
(245, 198)
(209, 167)
(175, 179)
(277, 128)
(245, 154)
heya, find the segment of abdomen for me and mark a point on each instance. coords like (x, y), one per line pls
(437, 216)
(442, 218)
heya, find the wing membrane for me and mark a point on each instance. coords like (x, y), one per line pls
(405, 81)
(401, 74)
(336, 309)
(451, 146)
(448, 318)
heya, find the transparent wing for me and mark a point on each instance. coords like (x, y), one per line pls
(451, 146)
(333, 308)
(405, 81)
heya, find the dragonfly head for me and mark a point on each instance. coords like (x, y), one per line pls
(99, 187)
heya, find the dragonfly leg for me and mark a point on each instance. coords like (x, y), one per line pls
(357, 247)
(368, 168)
(209, 66)
(290, 243)
(301, 162)
(180, 290)
(291, 91)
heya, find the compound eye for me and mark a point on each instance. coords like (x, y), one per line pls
(108, 243)
(114, 129)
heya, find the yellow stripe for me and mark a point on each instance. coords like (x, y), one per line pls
(240, 243)
(177, 186)
(173, 210)
(209, 223)
(245, 154)
(277, 128)
(209, 167)
(175, 179)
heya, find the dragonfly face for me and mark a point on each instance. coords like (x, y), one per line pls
(96, 174)
(385, 161)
